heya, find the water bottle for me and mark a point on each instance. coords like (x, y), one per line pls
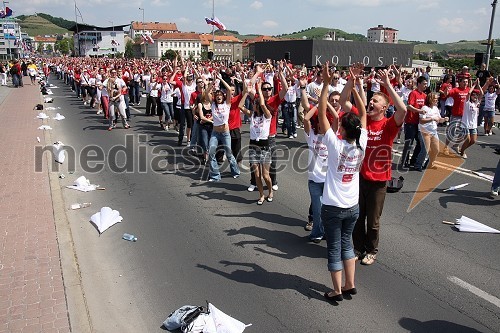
(80, 205)
(129, 237)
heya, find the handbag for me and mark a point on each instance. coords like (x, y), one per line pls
(395, 184)
(183, 318)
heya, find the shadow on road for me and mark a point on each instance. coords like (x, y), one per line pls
(441, 326)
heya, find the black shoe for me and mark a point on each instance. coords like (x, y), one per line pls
(336, 298)
(352, 291)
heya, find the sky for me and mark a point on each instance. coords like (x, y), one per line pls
(442, 20)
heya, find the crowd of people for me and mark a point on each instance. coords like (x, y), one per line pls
(351, 120)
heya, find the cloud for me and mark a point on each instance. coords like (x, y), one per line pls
(159, 3)
(426, 5)
(256, 5)
(183, 20)
(455, 25)
(269, 24)
(481, 11)
(358, 3)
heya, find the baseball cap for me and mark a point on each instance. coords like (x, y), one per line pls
(465, 67)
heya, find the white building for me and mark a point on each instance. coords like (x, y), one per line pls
(10, 31)
(381, 34)
(98, 41)
(185, 43)
(151, 28)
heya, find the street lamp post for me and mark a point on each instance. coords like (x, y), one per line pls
(145, 43)
(490, 41)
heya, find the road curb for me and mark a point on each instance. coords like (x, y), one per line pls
(78, 313)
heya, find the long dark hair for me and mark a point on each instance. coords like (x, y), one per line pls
(352, 127)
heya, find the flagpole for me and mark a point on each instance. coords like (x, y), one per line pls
(213, 30)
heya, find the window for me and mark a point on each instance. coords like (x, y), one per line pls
(161, 44)
(95, 49)
(113, 34)
(113, 49)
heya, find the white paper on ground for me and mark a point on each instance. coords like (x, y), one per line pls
(51, 108)
(38, 139)
(42, 115)
(105, 218)
(456, 187)
(59, 117)
(222, 323)
(83, 184)
(483, 175)
(48, 100)
(467, 224)
(45, 127)
(58, 151)
(49, 92)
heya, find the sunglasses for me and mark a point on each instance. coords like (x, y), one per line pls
(199, 81)
(267, 89)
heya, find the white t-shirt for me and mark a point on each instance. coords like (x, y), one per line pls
(318, 157)
(187, 91)
(166, 93)
(471, 111)
(430, 127)
(220, 113)
(489, 101)
(342, 177)
(119, 85)
(259, 127)
(177, 93)
(154, 89)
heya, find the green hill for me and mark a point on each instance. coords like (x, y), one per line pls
(461, 47)
(318, 33)
(35, 25)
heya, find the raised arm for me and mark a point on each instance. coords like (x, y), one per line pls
(399, 115)
(324, 124)
(359, 102)
(228, 89)
(307, 119)
(241, 105)
(284, 85)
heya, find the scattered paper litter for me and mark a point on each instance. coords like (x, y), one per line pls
(222, 323)
(105, 218)
(83, 184)
(49, 92)
(42, 115)
(38, 138)
(45, 127)
(59, 117)
(51, 108)
(456, 187)
(483, 175)
(58, 151)
(466, 224)
(48, 100)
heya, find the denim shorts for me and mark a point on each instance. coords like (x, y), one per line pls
(472, 131)
(259, 155)
(489, 113)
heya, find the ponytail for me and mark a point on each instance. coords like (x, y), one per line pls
(358, 135)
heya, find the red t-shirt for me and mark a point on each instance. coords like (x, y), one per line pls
(417, 100)
(445, 87)
(234, 113)
(377, 164)
(459, 96)
(274, 102)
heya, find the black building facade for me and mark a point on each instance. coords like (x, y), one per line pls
(338, 53)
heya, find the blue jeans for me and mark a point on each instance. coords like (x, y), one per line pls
(496, 180)
(411, 134)
(195, 134)
(205, 134)
(423, 152)
(224, 139)
(316, 191)
(168, 109)
(339, 224)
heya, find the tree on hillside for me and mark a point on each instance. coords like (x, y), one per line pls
(64, 46)
(59, 21)
(169, 54)
(49, 48)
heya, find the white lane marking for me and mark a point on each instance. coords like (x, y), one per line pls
(136, 110)
(476, 291)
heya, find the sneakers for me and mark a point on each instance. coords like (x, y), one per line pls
(212, 180)
(251, 188)
(294, 135)
(494, 192)
(236, 176)
(290, 137)
(464, 156)
(275, 187)
(446, 151)
(357, 255)
(308, 226)
(369, 259)
(316, 240)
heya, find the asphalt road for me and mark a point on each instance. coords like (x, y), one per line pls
(201, 241)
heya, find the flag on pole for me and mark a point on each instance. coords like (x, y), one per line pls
(6, 13)
(216, 22)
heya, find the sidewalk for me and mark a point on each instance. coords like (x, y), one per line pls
(32, 291)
